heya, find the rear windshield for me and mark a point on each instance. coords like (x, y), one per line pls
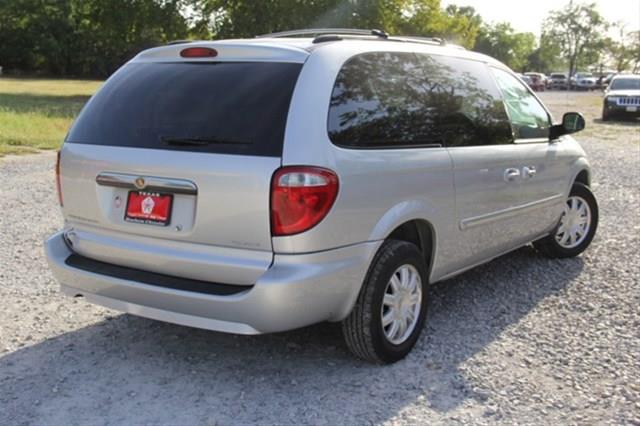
(220, 107)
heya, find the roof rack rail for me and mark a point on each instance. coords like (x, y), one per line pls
(324, 35)
(326, 31)
(421, 40)
(416, 39)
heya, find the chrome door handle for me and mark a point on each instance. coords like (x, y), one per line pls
(529, 171)
(511, 174)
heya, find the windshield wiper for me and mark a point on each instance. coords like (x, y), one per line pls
(200, 141)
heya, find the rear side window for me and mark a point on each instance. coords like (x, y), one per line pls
(393, 100)
(227, 108)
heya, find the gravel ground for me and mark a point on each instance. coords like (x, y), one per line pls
(520, 340)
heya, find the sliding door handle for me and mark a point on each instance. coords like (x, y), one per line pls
(511, 174)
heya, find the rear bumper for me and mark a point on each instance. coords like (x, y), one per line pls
(297, 290)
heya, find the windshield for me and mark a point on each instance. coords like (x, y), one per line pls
(584, 75)
(217, 107)
(557, 76)
(625, 84)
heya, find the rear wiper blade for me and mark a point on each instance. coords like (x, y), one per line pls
(197, 141)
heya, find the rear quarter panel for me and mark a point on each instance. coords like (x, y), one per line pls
(379, 189)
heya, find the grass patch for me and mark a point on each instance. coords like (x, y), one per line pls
(590, 105)
(36, 113)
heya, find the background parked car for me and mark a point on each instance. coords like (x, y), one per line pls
(538, 81)
(526, 79)
(559, 81)
(583, 81)
(622, 97)
(606, 80)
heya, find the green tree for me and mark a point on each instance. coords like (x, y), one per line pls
(503, 43)
(84, 37)
(426, 18)
(94, 37)
(578, 29)
(635, 51)
(546, 57)
(462, 25)
(623, 50)
(243, 18)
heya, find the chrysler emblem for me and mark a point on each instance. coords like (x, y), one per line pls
(140, 183)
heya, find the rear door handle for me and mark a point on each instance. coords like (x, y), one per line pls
(148, 183)
(529, 171)
(511, 174)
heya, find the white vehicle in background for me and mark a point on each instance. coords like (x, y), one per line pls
(583, 81)
(559, 80)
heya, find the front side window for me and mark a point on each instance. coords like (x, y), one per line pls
(528, 118)
(402, 99)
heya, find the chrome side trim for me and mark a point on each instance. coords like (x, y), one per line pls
(151, 183)
(509, 212)
(531, 140)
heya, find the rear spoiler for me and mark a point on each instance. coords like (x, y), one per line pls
(227, 51)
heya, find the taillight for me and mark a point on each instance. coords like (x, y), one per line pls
(300, 198)
(198, 52)
(58, 185)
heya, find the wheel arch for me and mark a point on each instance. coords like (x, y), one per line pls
(421, 233)
(579, 171)
(411, 221)
(583, 177)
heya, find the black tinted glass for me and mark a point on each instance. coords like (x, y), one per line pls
(229, 108)
(404, 99)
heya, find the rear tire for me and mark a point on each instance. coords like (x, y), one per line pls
(566, 240)
(365, 334)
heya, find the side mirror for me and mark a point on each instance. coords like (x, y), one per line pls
(572, 122)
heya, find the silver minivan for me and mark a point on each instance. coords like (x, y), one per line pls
(261, 185)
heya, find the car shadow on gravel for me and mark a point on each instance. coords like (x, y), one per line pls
(632, 122)
(131, 369)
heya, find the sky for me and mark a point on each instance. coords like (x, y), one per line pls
(527, 16)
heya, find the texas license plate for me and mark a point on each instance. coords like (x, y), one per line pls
(150, 208)
(632, 109)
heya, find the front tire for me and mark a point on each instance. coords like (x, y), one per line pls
(576, 228)
(391, 309)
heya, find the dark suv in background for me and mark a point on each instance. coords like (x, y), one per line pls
(622, 97)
